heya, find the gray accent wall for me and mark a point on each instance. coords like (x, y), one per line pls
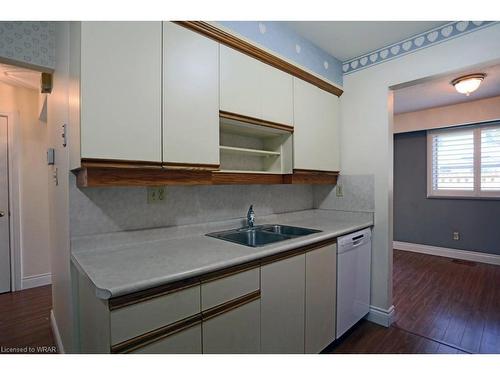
(431, 221)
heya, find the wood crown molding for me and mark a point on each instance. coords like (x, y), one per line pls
(249, 49)
(255, 121)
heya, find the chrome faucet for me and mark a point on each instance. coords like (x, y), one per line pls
(251, 217)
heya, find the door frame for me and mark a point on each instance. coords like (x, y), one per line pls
(14, 194)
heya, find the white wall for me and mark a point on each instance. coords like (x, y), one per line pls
(366, 129)
(31, 146)
(451, 115)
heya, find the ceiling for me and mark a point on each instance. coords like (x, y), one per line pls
(19, 77)
(439, 92)
(348, 39)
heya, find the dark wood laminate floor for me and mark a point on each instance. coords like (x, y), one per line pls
(25, 321)
(442, 306)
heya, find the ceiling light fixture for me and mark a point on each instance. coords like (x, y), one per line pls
(469, 83)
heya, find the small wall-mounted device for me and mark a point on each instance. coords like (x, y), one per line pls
(46, 83)
(51, 156)
(456, 236)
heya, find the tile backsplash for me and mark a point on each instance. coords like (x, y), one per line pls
(104, 210)
(358, 194)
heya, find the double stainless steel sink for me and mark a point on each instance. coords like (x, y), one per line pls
(263, 234)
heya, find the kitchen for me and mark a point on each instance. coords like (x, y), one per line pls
(215, 193)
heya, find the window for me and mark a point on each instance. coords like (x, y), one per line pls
(464, 162)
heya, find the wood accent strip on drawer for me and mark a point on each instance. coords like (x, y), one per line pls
(249, 49)
(220, 274)
(144, 295)
(255, 121)
(156, 335)
(233, 178)
(230, 305)
(305, 176)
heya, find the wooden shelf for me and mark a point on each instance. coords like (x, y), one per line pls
(248, 151)
(243, 171)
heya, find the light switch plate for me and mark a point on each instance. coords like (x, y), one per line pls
(339, 191)
(456, 236)
(156, 194)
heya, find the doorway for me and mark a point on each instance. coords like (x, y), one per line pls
(5, 262)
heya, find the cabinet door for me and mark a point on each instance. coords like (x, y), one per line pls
(282, 306)
(190, 97)
(321, 280)
(120, 87)
(315, 137)
(239, 83)
(276, 95)
(187, 341)
(235, 331)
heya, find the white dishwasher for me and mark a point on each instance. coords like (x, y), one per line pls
(353, 278)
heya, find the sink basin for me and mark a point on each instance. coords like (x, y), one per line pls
(288, 230)
(262, 235)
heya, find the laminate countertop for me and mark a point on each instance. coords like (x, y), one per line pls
(125, 262)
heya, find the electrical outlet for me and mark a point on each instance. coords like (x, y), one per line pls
(339, 191)
(456, 236)
(156, 194)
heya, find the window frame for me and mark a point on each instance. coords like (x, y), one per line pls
(476, 193)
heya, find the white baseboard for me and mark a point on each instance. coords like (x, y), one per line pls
(447, 252)
(383, 317)
(36, 280)
(55, 332)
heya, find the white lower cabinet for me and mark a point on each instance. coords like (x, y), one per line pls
(233, 332)
(282, 306)
(187, 341)
(321, 281)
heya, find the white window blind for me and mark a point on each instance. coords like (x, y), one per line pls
(490, 159)
(464, 162)
(453, 161)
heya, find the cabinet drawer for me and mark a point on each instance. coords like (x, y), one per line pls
(137, 319)
(234, 331)
(187, 341)
(224, 289)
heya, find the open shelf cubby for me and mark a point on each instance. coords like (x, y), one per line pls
(252, 148)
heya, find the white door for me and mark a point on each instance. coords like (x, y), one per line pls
(282, 289)
(316, 128)
(4, 210)
(321, 289)
(190, 97)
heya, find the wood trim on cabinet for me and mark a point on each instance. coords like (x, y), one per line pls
(233, 178)
(249, 49)
(255, 121)
(145, 295)
(102, 177)
(156, 335)
(190, 166)
(116, 163)
(230, 305)
(305, 176)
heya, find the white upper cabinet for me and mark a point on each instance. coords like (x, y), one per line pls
(251, 88)
(120, 88)
(190, 97)
(315, 138)
(239, 83)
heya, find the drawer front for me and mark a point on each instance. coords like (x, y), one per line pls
(233, 332)
(135, 320)
(184, 342)
(224, 289)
